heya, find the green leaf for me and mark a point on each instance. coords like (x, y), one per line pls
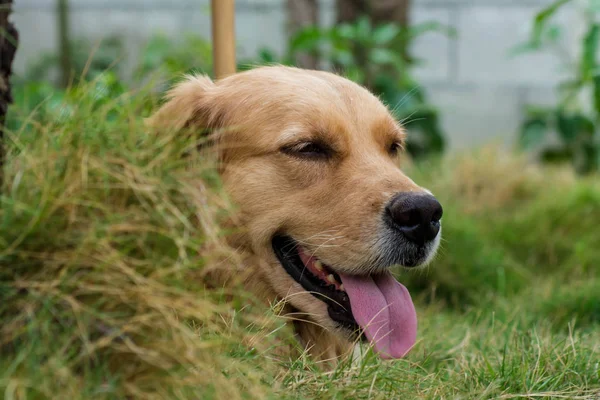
(355, 74)
(594, 5)
(540, 31)
(554, 33)
(585, 157)
(596, 94)
(432, 26)
(384, 57)
(542, 18)
(523, 48)
(556, 155)
(267, 56)
(344, 31)
(570, 86)
(571, 127)
(363, 30)
(384, 34)
(590, 48)
(343, 57)
(533, 132)
(307, 39)
(387, 88)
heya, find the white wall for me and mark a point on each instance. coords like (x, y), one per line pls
(478, 86)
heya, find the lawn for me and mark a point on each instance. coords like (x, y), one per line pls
(110, 240)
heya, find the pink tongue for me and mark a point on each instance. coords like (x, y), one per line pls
(384, 309)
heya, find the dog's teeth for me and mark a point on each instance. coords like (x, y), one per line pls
(331, 278)
(318, 265)
(342, 287)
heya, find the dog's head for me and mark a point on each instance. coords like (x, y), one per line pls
(310, 159)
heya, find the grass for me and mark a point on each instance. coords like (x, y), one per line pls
(109, 245)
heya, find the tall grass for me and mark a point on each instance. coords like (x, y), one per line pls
(109, 240)
(106, 240)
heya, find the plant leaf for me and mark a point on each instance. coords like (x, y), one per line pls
(533, 132)
(343, 57)
(594, 5)
(385, 33)
(535, 41)
(554, 33)
(267, 56)
(363, 30)
(432, 26)
(590, 48)
(523, 48)
(384, 57)
(344, 31)
(573, 126)
(307, 39)
(542, 18)
(596, 94)
(556, 155)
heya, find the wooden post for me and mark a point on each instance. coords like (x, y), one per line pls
(223, 32)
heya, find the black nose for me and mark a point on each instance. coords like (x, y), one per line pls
(416, 215)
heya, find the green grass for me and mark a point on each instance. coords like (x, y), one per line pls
(108, 252)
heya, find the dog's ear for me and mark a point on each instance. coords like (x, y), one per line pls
(190, 104)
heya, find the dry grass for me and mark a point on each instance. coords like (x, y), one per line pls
(107, 239)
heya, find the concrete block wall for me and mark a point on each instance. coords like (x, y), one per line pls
(478, 86)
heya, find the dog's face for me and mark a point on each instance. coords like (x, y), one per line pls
(310, 159)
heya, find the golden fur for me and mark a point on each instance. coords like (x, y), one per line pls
(332, 207)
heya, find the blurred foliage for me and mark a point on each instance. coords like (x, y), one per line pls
(43, 102)
(88, 60)
(369, 55)
(575, 119)
(163, 57)
(38, 95)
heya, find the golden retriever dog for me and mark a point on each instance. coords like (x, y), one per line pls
(310, 160)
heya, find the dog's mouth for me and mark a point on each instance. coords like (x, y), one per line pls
(376, 307)
(316, 278)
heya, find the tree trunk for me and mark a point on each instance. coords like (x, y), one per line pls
(8, 48)
(378, 11)
(303, 13)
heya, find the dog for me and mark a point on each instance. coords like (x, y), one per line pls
(311, 161)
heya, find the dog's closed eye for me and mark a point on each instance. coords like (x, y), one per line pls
(395, 148)
(310, 150)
